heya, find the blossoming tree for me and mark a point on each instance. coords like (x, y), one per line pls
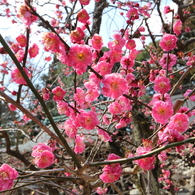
(119, 125)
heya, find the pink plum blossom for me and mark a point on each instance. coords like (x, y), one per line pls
(7, 177)
(45, 159)
(77, 35)
(111, 173)
(114, 85)
(79, 144)
(79, 96)
(12, 107)
(127, 63)
(84, 2)
(168, 42)
(33, 50)
(170, 62)
(179, 122)
(118, 42)
(100, 190)
(97, 42)
(63, 108)
(162, 85)
(21, 39)
(83, 16)
(145, 163)
(17, 76)
(130, 44)
(177, 27)
(87, 120)
(167, 9)
(20, 55)
(104, 136)
(43, 155)
(59, 93)
(162, 111)
(51, 42)
(79, 57)
(24, 13)
(70, 128)
(103, 68)
(192, 96)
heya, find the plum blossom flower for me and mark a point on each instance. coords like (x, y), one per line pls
(79, 144)
(111, 173)
(105, 137)
(100, 190)
(79, 96)
(79, 57)
(77, 35)
(162, 85)
(103, 68)
(177, 27)
(84, 2)
(20, 55)
(21, 39)
(63, 108)
(167, 9)
(118, 42)
(70, 128)
(114, 85)
(87, 120)
(192, 96)
(51, 42)
(170, 62)
(17, 76)
(59, 93)
(7, 177)
(162, 111)
(179, 122)
(43, 155)
(24, 13)
(97, 42)
(12, 107)
(168, 42)
(130, 44)
(33, 50)
(145, 163)
(83, 16)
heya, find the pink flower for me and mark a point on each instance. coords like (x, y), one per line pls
(103, 68)
(118, 43)
(59, 93)
(79, 57)
(70, 128)
(168, 42)
(130, 44)
(157, 96)
(192, 96)
(83, 16)
(114, 85)
(39, 148)
(45, 159)
(79, 96)
(33, 50)
(80, 145)
(87, 120)
(63, 108)
(77, 35)
(43, 155)
(122, 104)
(162, 85)
(145, 163)
(127, 63)
(24, 13)
(51, 42)
(100, 190)
(167, 9)
(20, 55)
(162, 111)
(84, 2)
(21, 39)
(111, 173)
(170, 62)
(12, 107)
(132, 14)
(179, 122)
(17, 76)
(177, 27)
(105, 137)
(7, 177)
(97, 42)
